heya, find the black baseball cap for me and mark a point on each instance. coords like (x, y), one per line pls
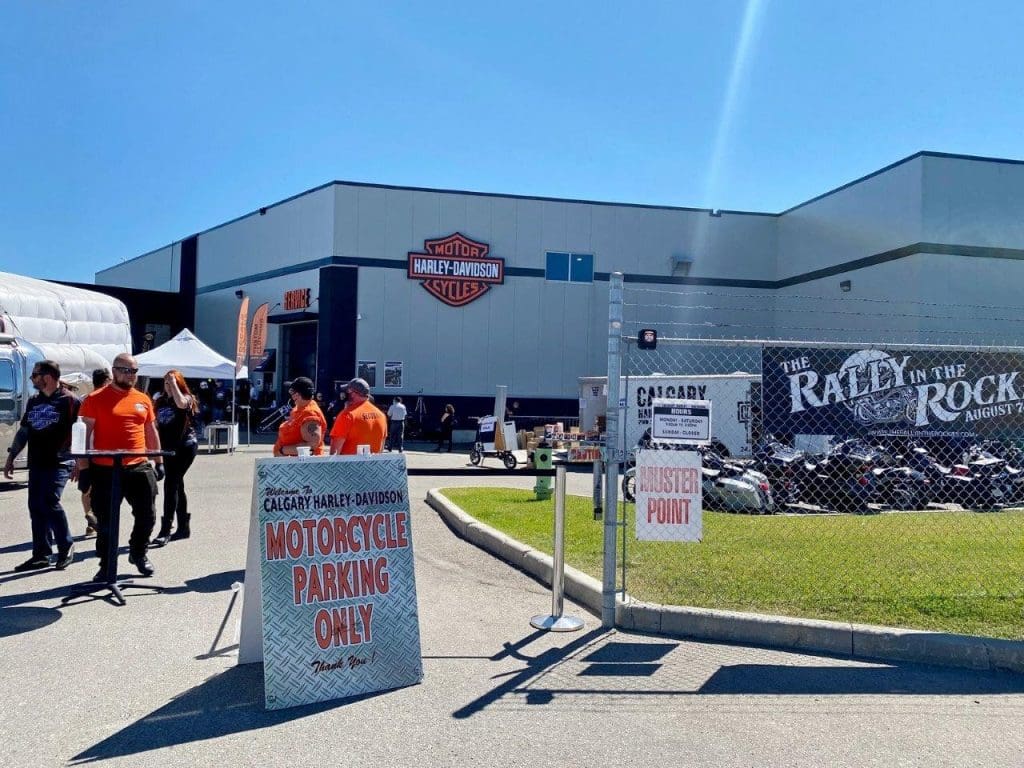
(303, 386)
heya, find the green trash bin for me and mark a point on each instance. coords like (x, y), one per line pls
(542, 460)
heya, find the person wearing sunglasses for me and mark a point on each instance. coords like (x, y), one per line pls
(46, 428)
(121, 418)
(305, 425)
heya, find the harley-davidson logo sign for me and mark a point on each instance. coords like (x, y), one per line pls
(455, 269)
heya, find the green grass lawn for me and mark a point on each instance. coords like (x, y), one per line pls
(945, 571)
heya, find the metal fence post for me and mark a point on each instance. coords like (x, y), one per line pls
(612, 452)
(556, 622)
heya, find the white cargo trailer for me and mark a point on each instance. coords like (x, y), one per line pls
(735, 400)
(80, 330)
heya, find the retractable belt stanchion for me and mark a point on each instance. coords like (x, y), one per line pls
(556, 622)
(248, 423)
(110, 581)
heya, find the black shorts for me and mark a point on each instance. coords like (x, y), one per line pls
(84, 481)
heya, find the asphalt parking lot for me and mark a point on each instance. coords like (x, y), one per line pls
(156, 682)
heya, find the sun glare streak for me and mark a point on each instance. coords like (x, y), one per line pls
(738, 75)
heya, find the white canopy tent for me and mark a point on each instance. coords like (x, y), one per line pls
(186, 353)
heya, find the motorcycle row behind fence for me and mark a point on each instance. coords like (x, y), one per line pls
(853, 476)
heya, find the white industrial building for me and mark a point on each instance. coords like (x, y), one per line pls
(450, 293)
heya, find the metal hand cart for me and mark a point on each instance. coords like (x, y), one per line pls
(485, 443)
(269, 423)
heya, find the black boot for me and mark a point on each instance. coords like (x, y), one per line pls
(183, 531)
(142, 562)
(165, 533)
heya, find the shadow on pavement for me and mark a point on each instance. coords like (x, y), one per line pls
(25, 546)
(9, 600)
(212, 582)
(643, 669)
(231, 702)
(14, 621)
(17, 620)
(913, 680)
(536, 665)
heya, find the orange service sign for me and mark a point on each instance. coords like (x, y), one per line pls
(455, 269)
(296, 299)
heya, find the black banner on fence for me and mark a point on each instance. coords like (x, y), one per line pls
(913, 393)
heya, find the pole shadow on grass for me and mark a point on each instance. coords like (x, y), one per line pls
(231, 702)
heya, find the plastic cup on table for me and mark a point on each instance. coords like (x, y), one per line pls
(303, 451)
(363, 450)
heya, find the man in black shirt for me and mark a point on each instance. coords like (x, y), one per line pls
(46, 428)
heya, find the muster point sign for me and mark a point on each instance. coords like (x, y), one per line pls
(668, 496)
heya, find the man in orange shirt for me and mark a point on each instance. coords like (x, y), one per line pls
(361, 423)
(121, 418)
(305, 425)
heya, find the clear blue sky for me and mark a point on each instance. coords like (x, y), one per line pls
(126, 126)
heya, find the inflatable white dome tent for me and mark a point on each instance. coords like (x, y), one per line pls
(80, 330)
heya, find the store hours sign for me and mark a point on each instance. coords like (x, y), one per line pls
(681, 421)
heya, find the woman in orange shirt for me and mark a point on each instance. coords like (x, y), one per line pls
(305, 425)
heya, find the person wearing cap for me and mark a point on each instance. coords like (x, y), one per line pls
(46, 429)
(361, 423)
(305, 425)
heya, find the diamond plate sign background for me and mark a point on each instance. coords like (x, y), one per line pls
(338, 584)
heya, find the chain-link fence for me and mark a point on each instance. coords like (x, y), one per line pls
(841, 463)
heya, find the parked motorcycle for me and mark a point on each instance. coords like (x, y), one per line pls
(725, 485)
(898, 485)
(842, 479)
(980, 481)
(996, 483)
(785, 468)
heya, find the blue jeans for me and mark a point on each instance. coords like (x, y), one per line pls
(49, 522)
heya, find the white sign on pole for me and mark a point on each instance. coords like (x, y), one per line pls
(681, 421)
(668, 496)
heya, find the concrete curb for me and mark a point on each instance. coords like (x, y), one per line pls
(580, 587)
(859, 641)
